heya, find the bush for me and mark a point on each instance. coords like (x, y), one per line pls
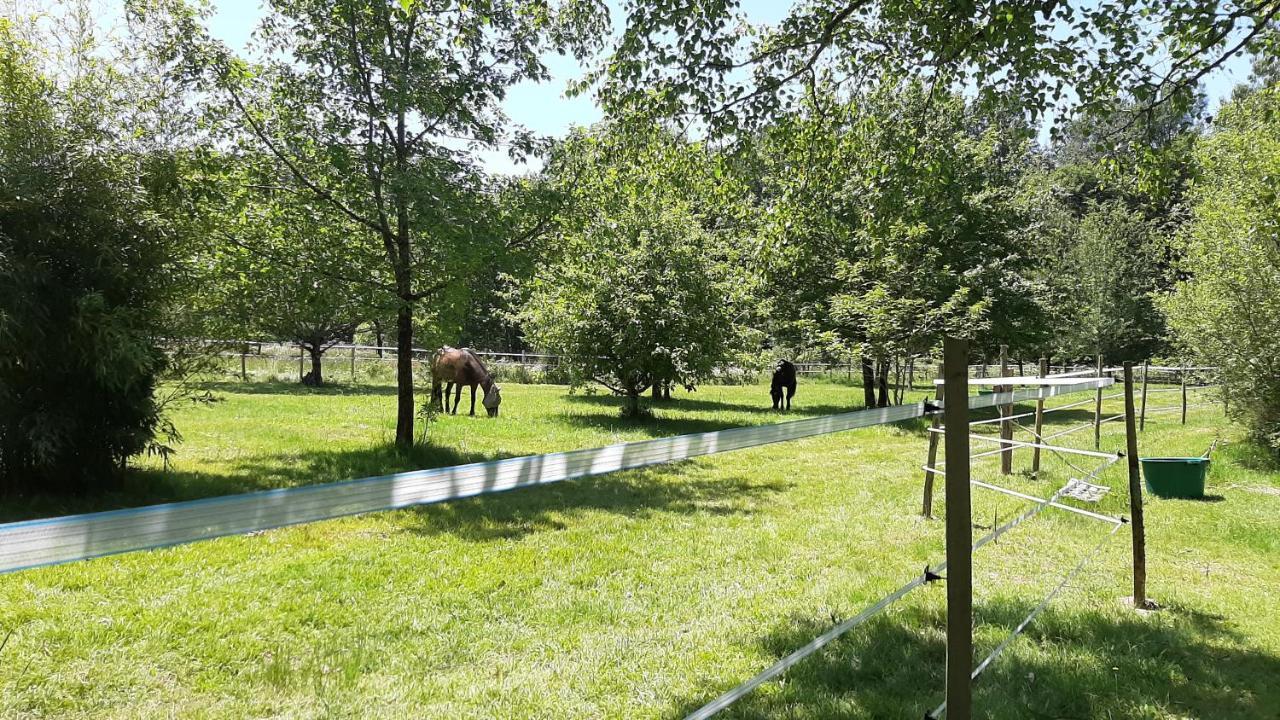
(1225, 313)
(81, 262)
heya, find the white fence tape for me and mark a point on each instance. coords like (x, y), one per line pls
(37, 543)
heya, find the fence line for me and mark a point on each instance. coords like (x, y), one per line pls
(36, 543)
(930, 574)
(1089, 555)
(922, 368)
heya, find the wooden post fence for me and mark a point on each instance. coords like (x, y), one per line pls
(1142, 418)
(302, 351)
(1184, 395)
(927, 507)
(1035, 452)
(353, 364)
(1006, 426)
(1135, 495)
(959, 530)
(1097, 411)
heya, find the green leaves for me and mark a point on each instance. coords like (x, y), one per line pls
(1034, 52)
(1222, 313)
(643, 283)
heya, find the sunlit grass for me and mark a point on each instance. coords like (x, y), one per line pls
(645, 593)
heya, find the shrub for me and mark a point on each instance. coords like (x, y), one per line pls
(81, 266)
(1225, 313)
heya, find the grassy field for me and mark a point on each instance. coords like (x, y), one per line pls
(646, 593)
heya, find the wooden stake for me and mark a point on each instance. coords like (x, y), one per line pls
(302, 351)
(959, 531)
(1184, 395)
(1035, 452)
(1006, 426)
(1097, 411)
(353, 364)
(244, 373)
(927, 508)
(1142, 418)
(1135, 495)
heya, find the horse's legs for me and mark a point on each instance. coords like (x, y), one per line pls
(473, 400)
(435, 393)
(448, 390)
(791, 392)
(457, 398)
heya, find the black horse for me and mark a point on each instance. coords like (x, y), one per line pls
(784, 377)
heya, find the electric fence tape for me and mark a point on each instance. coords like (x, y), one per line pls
(37, 543)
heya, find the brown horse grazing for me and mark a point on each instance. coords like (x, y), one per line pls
(461, 367)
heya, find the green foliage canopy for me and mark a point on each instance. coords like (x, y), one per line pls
(643, 281)
(85, 273)
(1224, 314)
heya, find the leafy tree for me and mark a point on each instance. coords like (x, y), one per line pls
(1224, 313)
(279, 268)
(1103, 283)
(1040, 54)
(643, 282)
(365, 103)
(890, 224)
(1098, 211)
(85, 269)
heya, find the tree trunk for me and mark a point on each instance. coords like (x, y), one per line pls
(656, 392)
(316, 376)
(666, 390)
(633, 404)
(883, 383)
(404, 376)
(377, 336)
(868, 382)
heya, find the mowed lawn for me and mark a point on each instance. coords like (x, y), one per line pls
(646, 593)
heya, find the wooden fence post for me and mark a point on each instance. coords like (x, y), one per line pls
(1097, 411)
(1142, 418)
(1035, 452)
(244, 371)
(1006, 426)
(302, 351)
(959, 531)
(1184, 395)
(1135, 495)
(927, 507)
(353, 364)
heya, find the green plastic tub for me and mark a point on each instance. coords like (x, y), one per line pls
(1175, 477)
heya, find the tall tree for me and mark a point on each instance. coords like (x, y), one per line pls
(889, 223)
(365, 102)
(1044, 54)
(87, 263)
(277, 267)
(643, 284)
(1224, 312)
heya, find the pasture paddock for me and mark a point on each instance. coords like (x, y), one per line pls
(644, 593)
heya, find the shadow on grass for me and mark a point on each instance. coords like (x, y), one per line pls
(1084, 664)
(502, 515)
(685, 402)
(1250, 454)
(275, 387)
(637, 494)
(148, 486)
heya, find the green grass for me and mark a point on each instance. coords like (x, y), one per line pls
(645, 593)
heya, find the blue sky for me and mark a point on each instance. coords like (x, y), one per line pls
(543, 108)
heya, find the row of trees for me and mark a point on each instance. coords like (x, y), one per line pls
(804, 186)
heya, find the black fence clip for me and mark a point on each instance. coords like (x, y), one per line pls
(931, 407)
(1124, 520)
(931, 576)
